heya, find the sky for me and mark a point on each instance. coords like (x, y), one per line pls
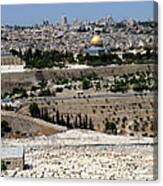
(31, 14)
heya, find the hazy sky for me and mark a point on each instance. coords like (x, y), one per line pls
(36, 13)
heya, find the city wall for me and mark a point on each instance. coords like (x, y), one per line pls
(30, 77)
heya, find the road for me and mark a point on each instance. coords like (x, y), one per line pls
(105, 95)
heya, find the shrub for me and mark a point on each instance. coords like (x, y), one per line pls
(5, 128)
(86, 84)
(110, 127)
(3, 166)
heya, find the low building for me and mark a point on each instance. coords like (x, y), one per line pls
(96, 51)
(8, 102)
(11, 64)
(13, 157)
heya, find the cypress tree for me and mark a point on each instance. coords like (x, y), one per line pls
(91, 124)
(57, 117)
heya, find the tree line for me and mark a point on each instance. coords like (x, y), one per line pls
(53, 58)
(68, 120)
(138, 82)
(42, 59)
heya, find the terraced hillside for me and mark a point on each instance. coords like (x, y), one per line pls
(131, 114)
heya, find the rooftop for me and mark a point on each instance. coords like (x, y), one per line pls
(11, 152)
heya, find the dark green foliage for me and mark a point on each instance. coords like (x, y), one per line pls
(110, 127)
(59, 89)
(5, 128)
(20, 91)
(147, 58)
(68, 120)
(120, 85)
(139, 82)
(105, 59)
(8, 107)
(81, 59)
(34, 88)
(91, 127)
(86, 83)
(42, 59)
(34, 110)
(43, 84)
(62, 82)
(85, 122)
(62, 120)
(14, 52)
(45, 115)
(45, 92)
(57, 117)
(3, 166)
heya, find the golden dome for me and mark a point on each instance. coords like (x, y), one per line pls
(96, 40)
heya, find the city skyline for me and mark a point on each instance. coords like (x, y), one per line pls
(19, 14)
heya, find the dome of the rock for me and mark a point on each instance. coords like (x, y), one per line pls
(96, 41)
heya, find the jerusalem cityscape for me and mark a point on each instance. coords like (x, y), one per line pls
(79, 93)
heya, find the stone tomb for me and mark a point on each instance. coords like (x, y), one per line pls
(13, 157)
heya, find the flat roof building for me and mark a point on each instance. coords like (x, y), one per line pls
(13, 157)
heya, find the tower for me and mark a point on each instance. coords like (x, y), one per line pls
(64, 20)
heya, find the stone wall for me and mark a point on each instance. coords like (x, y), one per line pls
(26, 79)
(13, 163)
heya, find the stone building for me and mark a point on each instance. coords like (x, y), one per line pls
(96, 48)
(13, 157)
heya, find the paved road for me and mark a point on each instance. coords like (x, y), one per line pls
(105, 95)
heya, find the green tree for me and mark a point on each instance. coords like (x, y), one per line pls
(110, 126)
(43, 84)
(14, 52)
(5, 128)
(91, 124)
(86, 83)
(68, 120)
(34, 110)
(57, 117)
(45, 115)
(3, 166)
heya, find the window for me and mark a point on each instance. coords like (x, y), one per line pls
(8, 162)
